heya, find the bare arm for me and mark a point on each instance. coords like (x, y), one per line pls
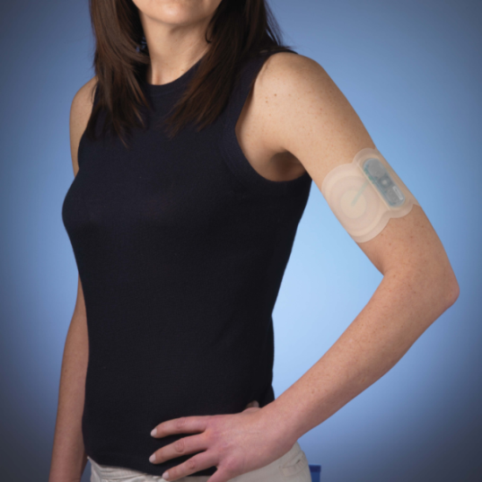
(309, 117)
(68, 455)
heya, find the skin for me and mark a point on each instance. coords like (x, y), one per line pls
(294, 120)
(174, 32)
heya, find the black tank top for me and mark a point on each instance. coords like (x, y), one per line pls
(181, 247)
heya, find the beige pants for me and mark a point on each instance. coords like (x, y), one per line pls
(291, 467)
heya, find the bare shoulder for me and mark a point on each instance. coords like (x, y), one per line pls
(80, 111)
(286, 74)
(283, 66)
(306, 114)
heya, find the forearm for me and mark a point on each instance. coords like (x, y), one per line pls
(68, 455)
(401, 309)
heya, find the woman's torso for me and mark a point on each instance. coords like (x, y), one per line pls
(181, 246)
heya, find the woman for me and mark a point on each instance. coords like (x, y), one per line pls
(194, 148)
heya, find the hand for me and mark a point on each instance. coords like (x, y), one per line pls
(234, 443)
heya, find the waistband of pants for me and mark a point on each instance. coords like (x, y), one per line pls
(106, 471)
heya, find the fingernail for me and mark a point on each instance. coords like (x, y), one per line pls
(165, 475)
(152, 457)
(153, 433)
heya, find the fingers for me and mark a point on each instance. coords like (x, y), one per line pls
(194, 464)
(181, 425)
(183, 446)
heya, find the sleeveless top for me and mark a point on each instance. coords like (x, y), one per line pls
(181, 247)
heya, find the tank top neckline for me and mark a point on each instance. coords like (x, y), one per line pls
(158, 90)
(173, 86)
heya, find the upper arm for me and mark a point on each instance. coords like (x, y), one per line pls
(80, 111)
(310, 117)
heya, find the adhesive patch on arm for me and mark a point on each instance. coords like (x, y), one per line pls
(365, 194)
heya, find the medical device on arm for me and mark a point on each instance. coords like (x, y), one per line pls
(365, 194)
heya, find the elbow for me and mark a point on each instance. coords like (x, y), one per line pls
(439, 290)
(445, 287)
(452, 291)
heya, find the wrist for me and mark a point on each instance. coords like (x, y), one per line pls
(282, 420)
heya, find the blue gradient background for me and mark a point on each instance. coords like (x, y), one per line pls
(412, 70)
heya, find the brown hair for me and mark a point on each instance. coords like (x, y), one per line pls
(238, 30)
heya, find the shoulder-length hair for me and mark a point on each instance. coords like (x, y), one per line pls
(238, 30)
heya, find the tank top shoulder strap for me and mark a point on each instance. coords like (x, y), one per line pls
(250, 179)
(96, 94)
(101, 115)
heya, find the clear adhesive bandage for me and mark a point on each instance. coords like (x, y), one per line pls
(365, 194)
